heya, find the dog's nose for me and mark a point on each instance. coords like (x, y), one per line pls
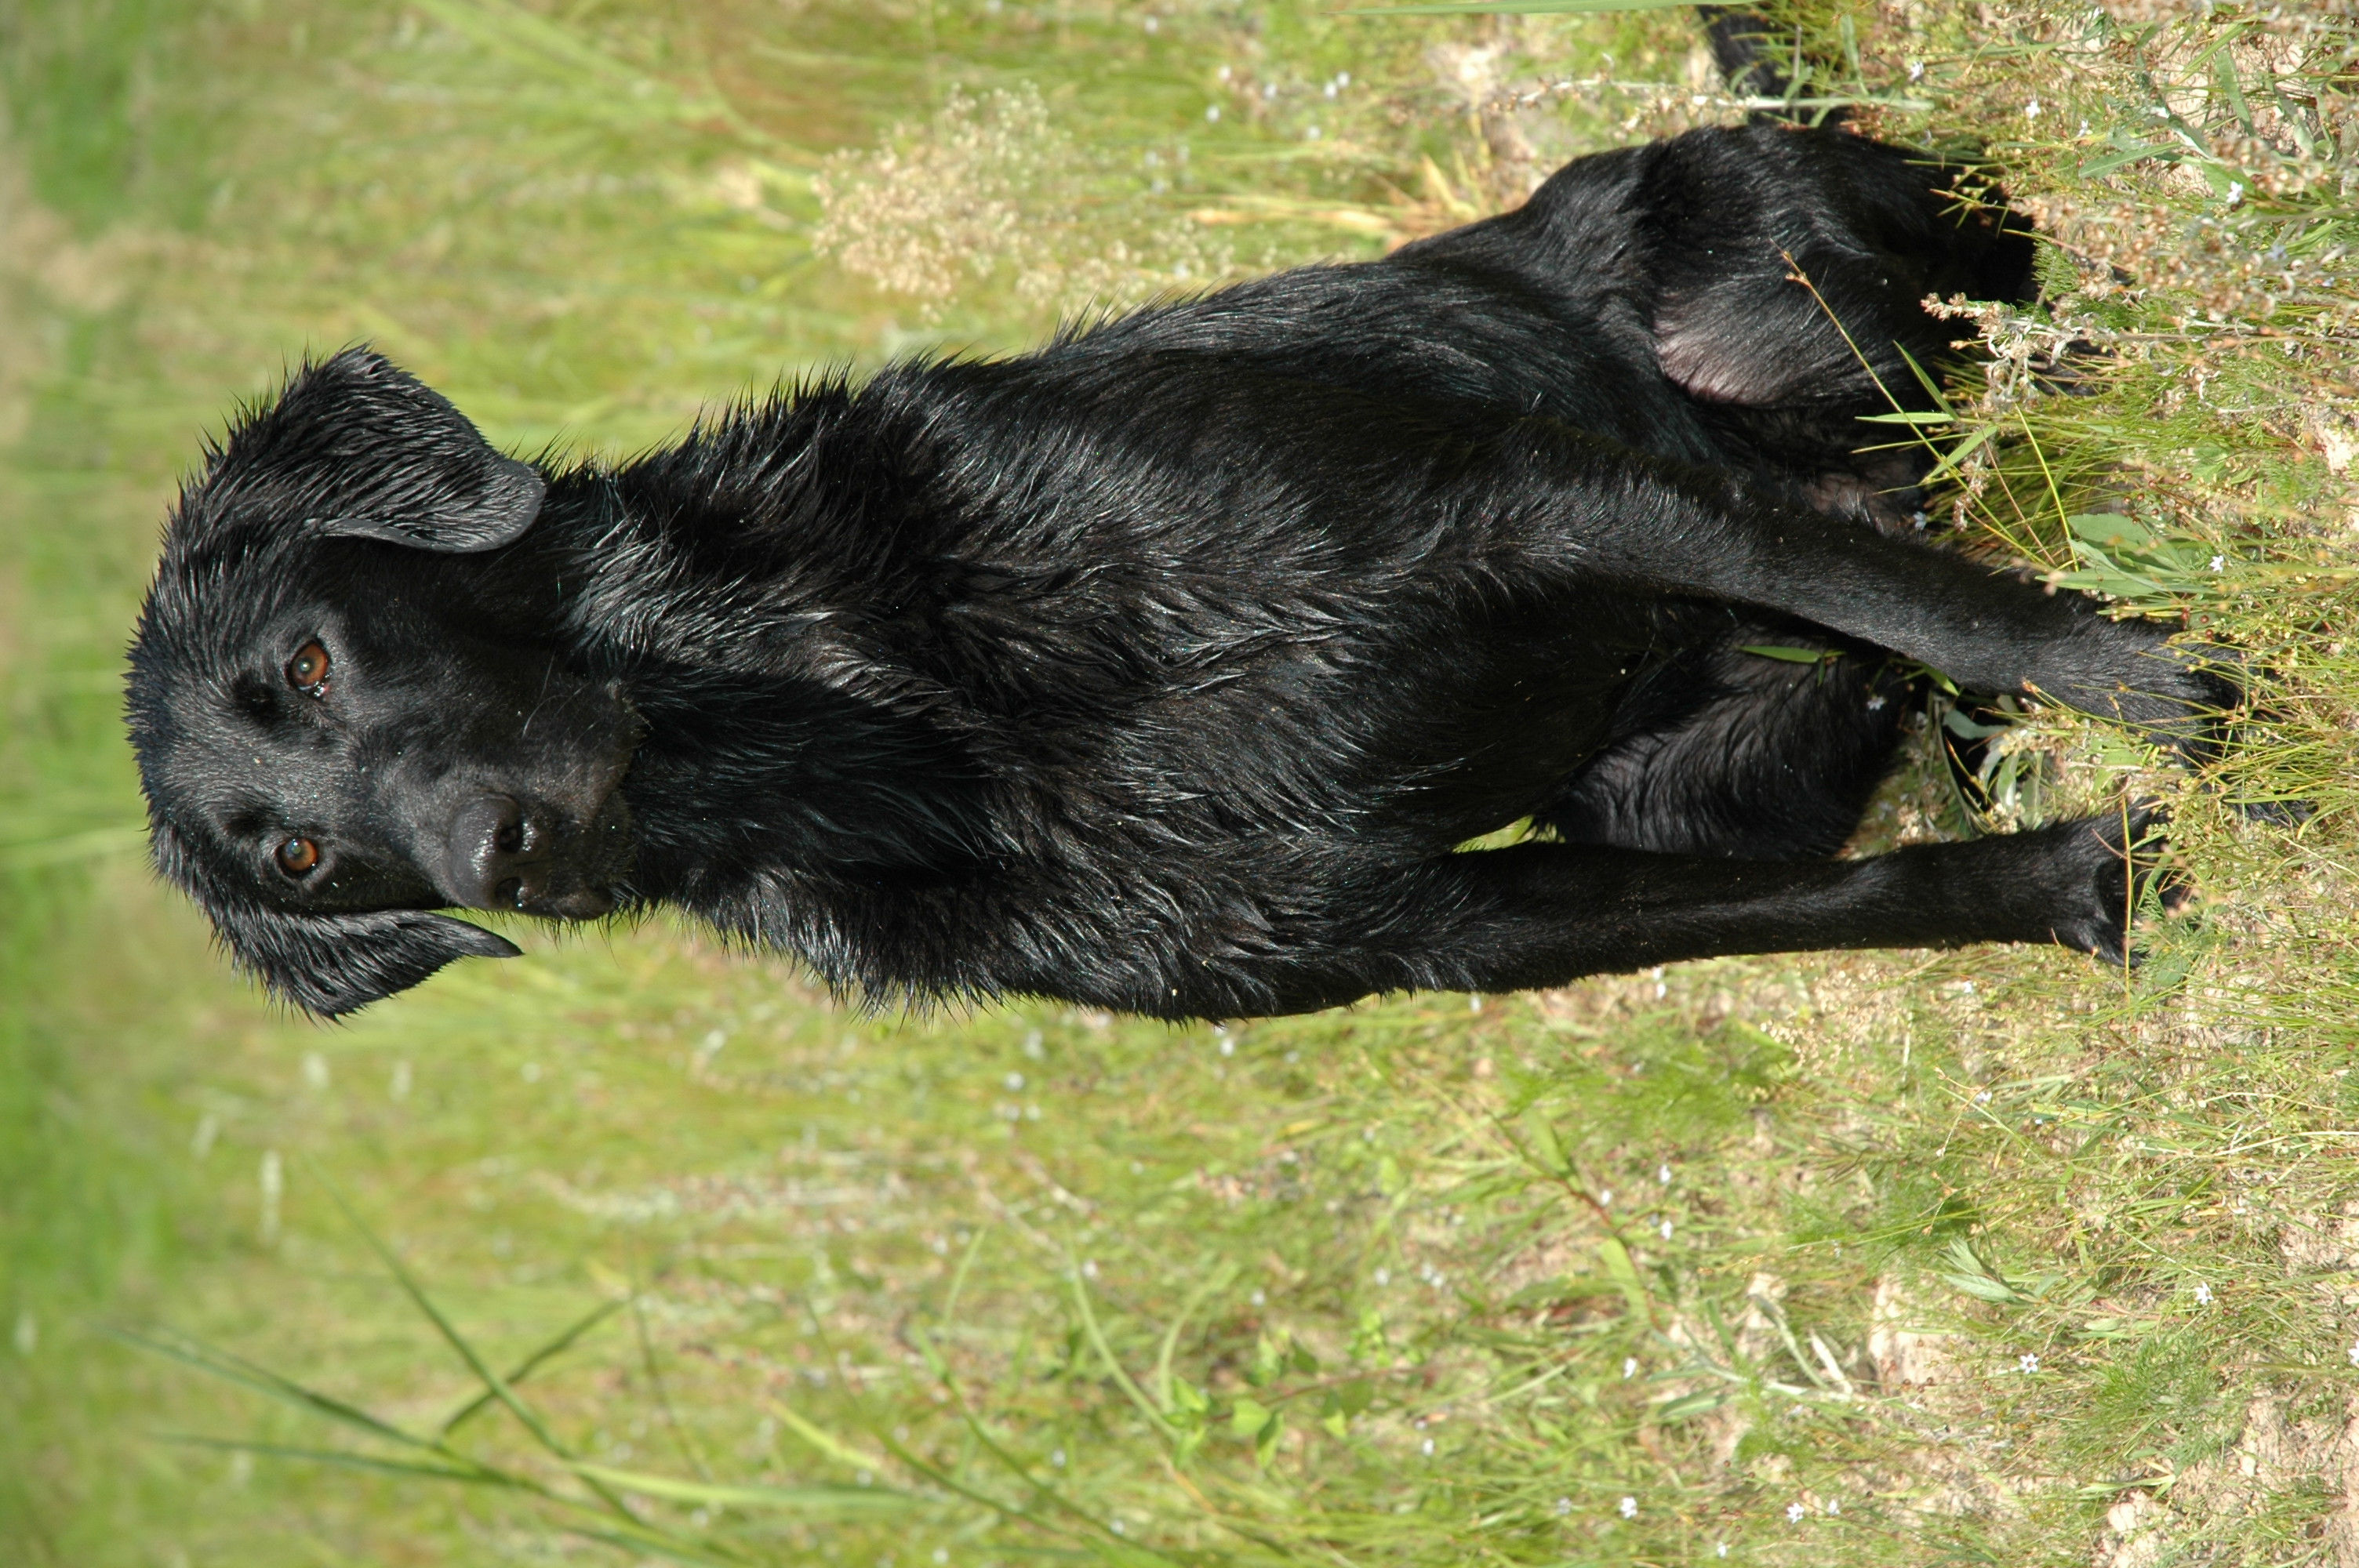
(493, 860)
(499, 854)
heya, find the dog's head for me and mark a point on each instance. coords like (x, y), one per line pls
(348, 702)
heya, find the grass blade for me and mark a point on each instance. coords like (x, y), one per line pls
(232, 1368)
(808, 1500)
(532, 1363)
(1097, 1339)
(650, 1546)
(481, 1476)
(826, 1442)
(492, 1380)
(1218, 1282)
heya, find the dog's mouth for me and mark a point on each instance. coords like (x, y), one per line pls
(596, 857)
(561, 854)
(605, 859)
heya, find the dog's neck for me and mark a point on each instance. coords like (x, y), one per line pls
(781, 728)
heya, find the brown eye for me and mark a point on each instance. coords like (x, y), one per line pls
(298, 856)
(308, 670)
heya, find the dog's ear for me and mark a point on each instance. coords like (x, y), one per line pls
(332, 964)
(357, 447)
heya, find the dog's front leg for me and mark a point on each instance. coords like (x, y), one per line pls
(1542, 914)
(1563, 501)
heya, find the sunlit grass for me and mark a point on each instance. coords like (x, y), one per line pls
(1984, 1256)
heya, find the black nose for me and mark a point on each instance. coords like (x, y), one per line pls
(493, 861)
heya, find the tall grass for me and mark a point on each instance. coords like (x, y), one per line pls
(646, 1250)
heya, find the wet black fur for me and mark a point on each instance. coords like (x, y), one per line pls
(1162, 669)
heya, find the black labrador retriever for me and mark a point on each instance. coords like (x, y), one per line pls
(1165, 668)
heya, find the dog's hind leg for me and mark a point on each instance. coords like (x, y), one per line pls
(1541, 914)
(1792, 268)
(1733, 752)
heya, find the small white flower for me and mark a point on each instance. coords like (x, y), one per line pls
(1629, 1367)
(2354, 1353)
(1835, 1505)
(1154, 23)
(1089, 1268)
(1212, 113)
(2235, 191)
(1057, 1458)
(1015, 1081)
(2202, 1294)
(1915, 73)
(1663, 1174)
(1116, 1526)
(2030, 1363)
(1563, 1506)
(1983, 1098)
(1383, 1276)
(1629, 1506)
(1311, 133)
(1259, 1297)
(2219, 561)
(1343, 79)
(2031, 109)
(1876, 704)
(942, 1553)
(1719, 1549)
(1794, 1512)
(1331, 90)
(1605, 1197)
(1426, 1448)
(1665, 1228)
(1228, 1047)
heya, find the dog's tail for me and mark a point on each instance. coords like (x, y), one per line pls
(1751, 54)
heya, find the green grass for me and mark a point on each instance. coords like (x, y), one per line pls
(1978, 1257)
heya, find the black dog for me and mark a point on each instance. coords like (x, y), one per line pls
(1164, 668)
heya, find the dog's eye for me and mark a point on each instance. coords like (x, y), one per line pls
(308, 670)
(298, 856)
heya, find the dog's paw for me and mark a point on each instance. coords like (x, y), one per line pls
(2181, 697)
(2275, 813)
(2104, 869)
